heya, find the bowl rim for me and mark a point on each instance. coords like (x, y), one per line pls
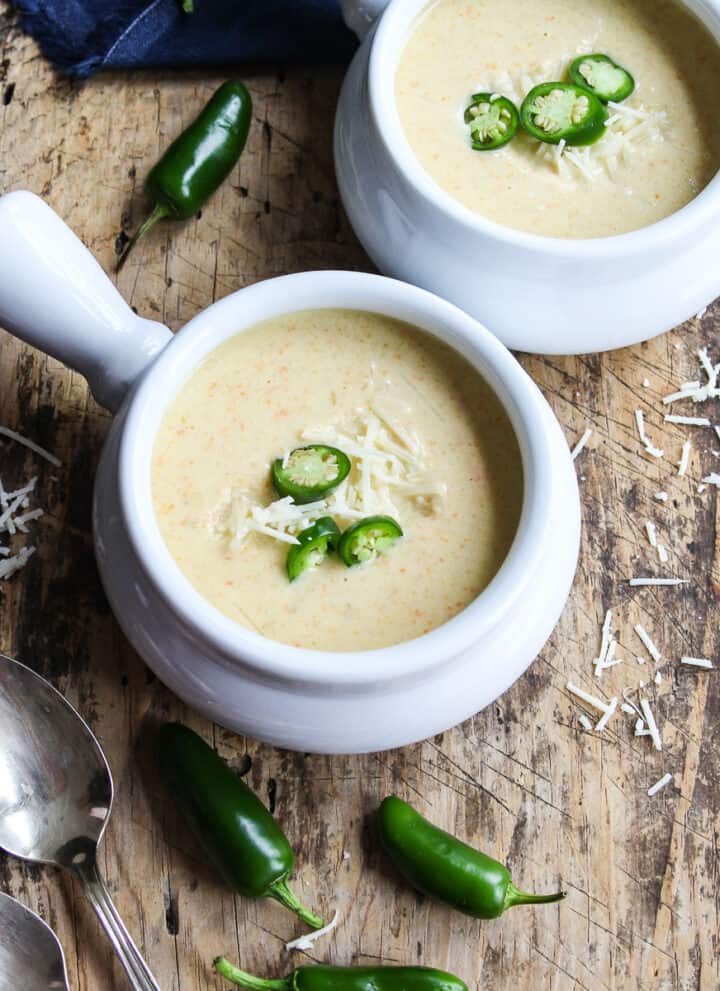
(387, 44)
(247, 307)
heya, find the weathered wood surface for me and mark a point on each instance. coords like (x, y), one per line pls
(521, 779)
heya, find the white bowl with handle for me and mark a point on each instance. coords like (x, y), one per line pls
(538, 294)
(54, 295)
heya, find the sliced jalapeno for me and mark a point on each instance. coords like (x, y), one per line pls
(493, 121)
(316, 542)
(367, 538)
(602, 76)
(555, 112)
(309, 473)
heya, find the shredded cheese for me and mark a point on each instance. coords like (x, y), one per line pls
(712, 479)
(584, 721)
(659, 785)
(305, 942)
(605, 639)
(696, 662)
(688, 421)
(694, 391)
(651, 724)
(26, 442)
(592, 700)
(607, 715)
(581, 444)
(651, 531)
(637, 582)
(684, 458)
(661, 496)
(655, 452)
(648, 643)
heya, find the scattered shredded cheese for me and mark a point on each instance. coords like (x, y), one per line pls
(661, 496)
(636, 582)
(628, 709)
(697, 662)
(581, 443)
(659, 785)
(605, 639)
(584, 721)
(305, 942)
(607, 715)
(651, 531)
(648, 643)
(688, 421)
(712, 479)
(26, 442)
(651, 724)
(684, 458)
(658, 678)
(662, 554)
(655, 452)
(592, 700)
(694, 391)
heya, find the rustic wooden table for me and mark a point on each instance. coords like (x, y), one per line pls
(522, 780)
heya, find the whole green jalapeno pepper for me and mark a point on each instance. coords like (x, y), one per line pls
(199, 160)
(440, 865)
(555, 112)
(236, 831)
(325, 978)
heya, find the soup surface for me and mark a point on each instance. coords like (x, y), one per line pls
(659, 152)
(454, 482)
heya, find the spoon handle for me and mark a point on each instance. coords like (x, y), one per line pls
(135, 967)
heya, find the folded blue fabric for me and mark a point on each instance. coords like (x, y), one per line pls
(82, 36)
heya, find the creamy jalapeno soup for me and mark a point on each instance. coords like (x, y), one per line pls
(428, 447)
(660, 144)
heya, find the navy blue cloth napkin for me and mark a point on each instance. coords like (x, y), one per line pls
(82, 36)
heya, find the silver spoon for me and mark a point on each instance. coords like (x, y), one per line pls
(31, 957)
(55, 796)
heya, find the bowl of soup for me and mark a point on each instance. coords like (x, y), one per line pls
(384, 636)
(560, 249)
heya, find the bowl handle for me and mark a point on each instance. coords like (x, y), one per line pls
(55, 296)
(360, 15)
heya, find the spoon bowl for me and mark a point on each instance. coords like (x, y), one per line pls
(31, 957)
(56, 793)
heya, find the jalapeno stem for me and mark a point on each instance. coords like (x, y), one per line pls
(158, 213)
(281, 892)
(515, 897)
(231, 973)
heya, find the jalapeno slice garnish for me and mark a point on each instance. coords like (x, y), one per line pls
(493, 121)
(602, 76)
(316, 542)
(309, 473)
(366, 539)
(555, 112)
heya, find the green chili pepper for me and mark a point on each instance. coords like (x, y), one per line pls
(555, 112)
(198, 160)
(316, 542)
(443, 867)
(237, 832)
(603, 77)
(309, 473)
(367, 538)
(493, 121)
(321, 977)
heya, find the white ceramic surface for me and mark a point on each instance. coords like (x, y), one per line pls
(537, 294)
(307, 700)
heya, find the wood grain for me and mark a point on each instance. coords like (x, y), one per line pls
(522, 779)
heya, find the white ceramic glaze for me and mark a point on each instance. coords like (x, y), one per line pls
(537, 294)
(307, 700)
